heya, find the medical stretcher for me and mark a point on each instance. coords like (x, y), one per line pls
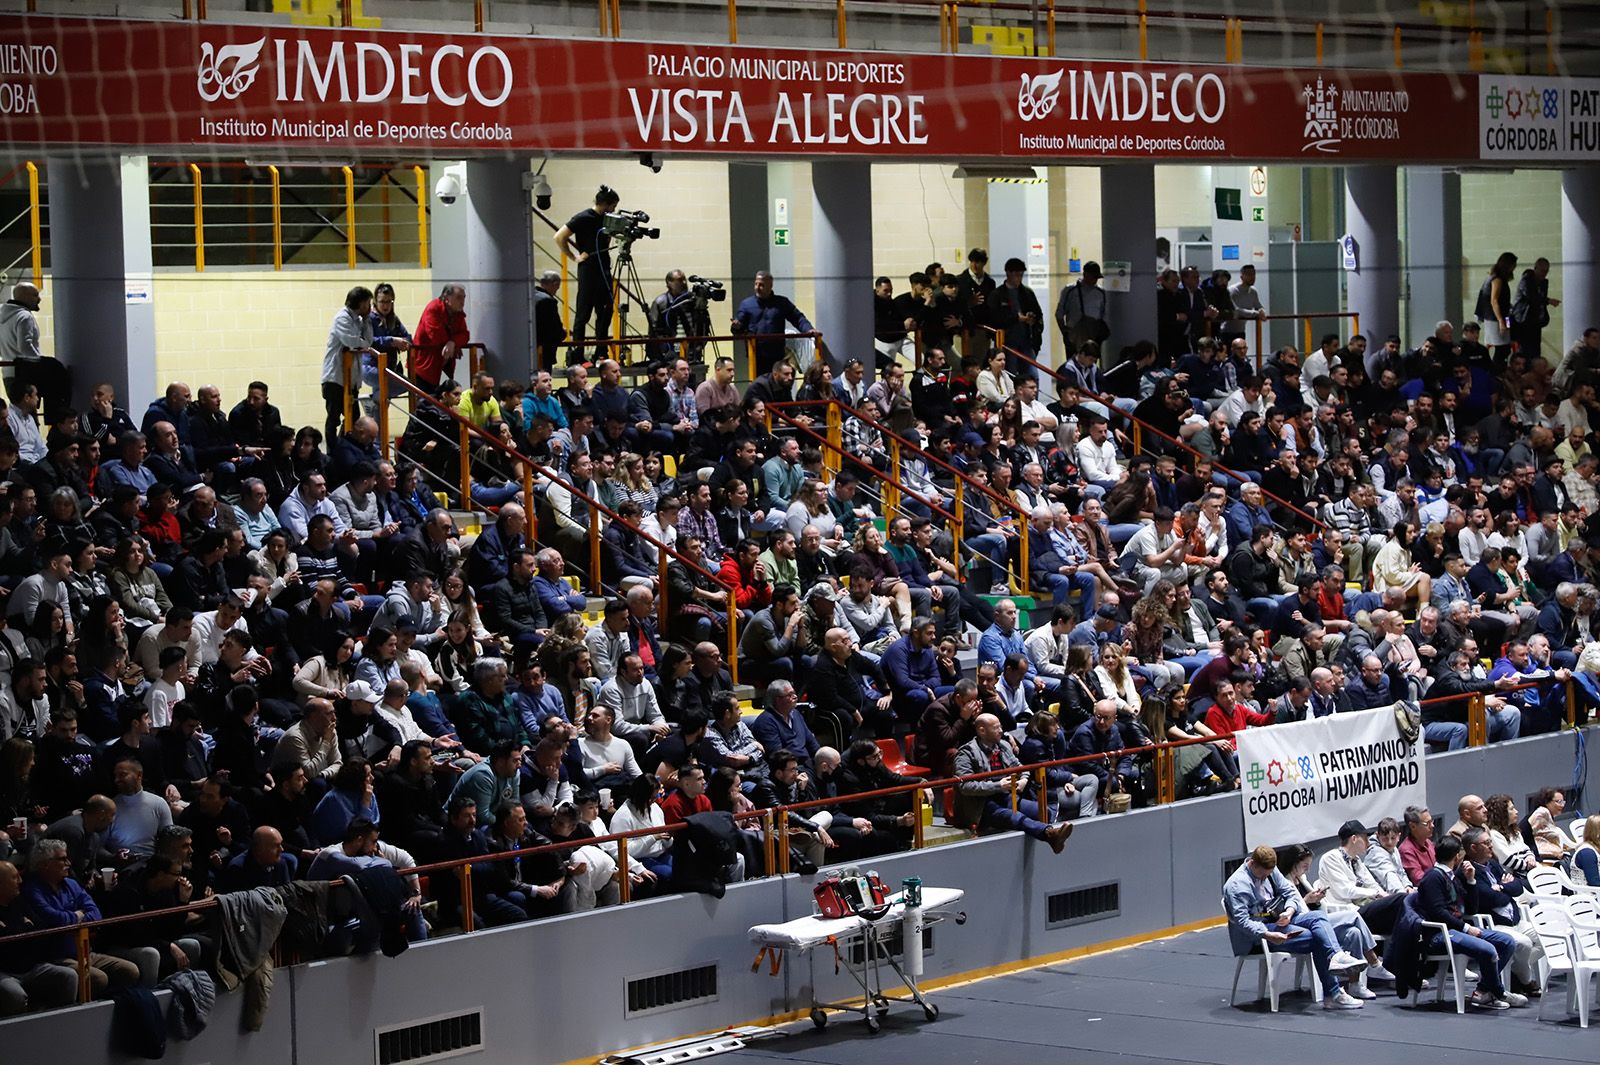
(807, 934)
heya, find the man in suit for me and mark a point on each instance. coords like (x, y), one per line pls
(1494, 892)
(1263, 906)
(1441, 897)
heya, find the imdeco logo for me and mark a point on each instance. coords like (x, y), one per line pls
(1038, 95)
(226, 72)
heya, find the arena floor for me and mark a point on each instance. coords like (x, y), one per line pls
(1168, 1002)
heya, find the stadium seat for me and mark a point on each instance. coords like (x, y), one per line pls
(894, 760)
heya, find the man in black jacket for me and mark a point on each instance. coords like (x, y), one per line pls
(1493, 891)
(1444, 713)
(1441, 897)
(410, 802)
(514, 606)
(815, 832)
(841, 686)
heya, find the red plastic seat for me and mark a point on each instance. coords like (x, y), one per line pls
(894, 760)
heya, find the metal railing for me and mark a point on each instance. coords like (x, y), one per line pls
(962, 483)
(377, 213)
(391, 384)
(33, 250)
(1305, 318)
(774, 825)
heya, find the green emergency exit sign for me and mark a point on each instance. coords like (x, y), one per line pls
(780, 236)
(1258, 214)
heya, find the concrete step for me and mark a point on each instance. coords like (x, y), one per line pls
(937, 835)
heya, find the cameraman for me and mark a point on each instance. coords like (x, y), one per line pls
(680, 311)
(585, 239)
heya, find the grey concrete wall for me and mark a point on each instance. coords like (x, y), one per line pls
(554, 991)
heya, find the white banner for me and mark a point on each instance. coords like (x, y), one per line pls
(1537, 118)
(1301, 781)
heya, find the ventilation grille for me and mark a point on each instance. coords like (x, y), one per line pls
(1229, 867)
(1093, 903)
(667, 990)
(430, 1040)
(894, 943)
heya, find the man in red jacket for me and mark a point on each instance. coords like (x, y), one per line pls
(441, 334)
(689, 797)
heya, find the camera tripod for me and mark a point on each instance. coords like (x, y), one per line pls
(624, 285)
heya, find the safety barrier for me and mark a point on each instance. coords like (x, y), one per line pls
(34, 213)
(391, 383)
(773, 824)
(349, 369)
(621, 348)
(235, 208)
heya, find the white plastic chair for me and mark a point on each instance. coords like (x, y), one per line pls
(1545, 880)
(1554, 929)
(1573, 886)
(1267, 980)
(1447, 961)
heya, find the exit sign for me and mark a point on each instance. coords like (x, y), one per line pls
(1258, 214)
(780, 236)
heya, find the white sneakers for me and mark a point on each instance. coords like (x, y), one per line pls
(1346, 964)
(1511, 998)
(1342, 1001)
(1356, 990)
(1378, 972)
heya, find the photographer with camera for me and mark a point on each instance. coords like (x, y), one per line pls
(681, 311)
(587, 239)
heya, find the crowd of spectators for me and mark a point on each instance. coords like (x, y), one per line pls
(233, 650)
(1377, 884)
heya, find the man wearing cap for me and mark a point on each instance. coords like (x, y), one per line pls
(1081, 311)
(1349, 883)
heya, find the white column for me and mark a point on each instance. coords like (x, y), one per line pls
(1578, 286)
(1372, 289)
(842, 258)
(1433, 250)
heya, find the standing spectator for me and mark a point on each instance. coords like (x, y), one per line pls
(764, 315)
(19, 345)
(351, 331)
(1493, 309)
(441, 334)
(1530, 311)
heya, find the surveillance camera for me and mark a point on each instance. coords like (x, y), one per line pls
(542, 193)
(651, 160)
(452, 184)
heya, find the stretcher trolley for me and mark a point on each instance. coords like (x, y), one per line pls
(872, 928)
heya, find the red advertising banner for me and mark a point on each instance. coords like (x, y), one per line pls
(231, 88)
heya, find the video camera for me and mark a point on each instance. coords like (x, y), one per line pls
(629, 226)
(706, 289)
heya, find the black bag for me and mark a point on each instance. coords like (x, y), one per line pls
(138, 1027)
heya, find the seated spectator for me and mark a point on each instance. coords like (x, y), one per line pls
(1227, 715)
(608, 641)
(981, 804)
(140, 815)
(733, 745)
(781, 725)
(350, 796)
(556, 596)
(861, 771)
(1072, 793)
(1440, 898)
(1369, 689)
(517, 607)
(1263, 906)
(635, 714)
(767, 641)
(639, 810)
(357, 854)
(911, 669)
(491, 782)
(264, 864)
(847, 688)
(487, 714)
(52, 899)
(311, 743)
(608, 760)
(1100, 736)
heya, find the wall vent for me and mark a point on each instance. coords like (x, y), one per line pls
(894, 943)
(1093, 903)
(429, 1040)
(668, 990)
